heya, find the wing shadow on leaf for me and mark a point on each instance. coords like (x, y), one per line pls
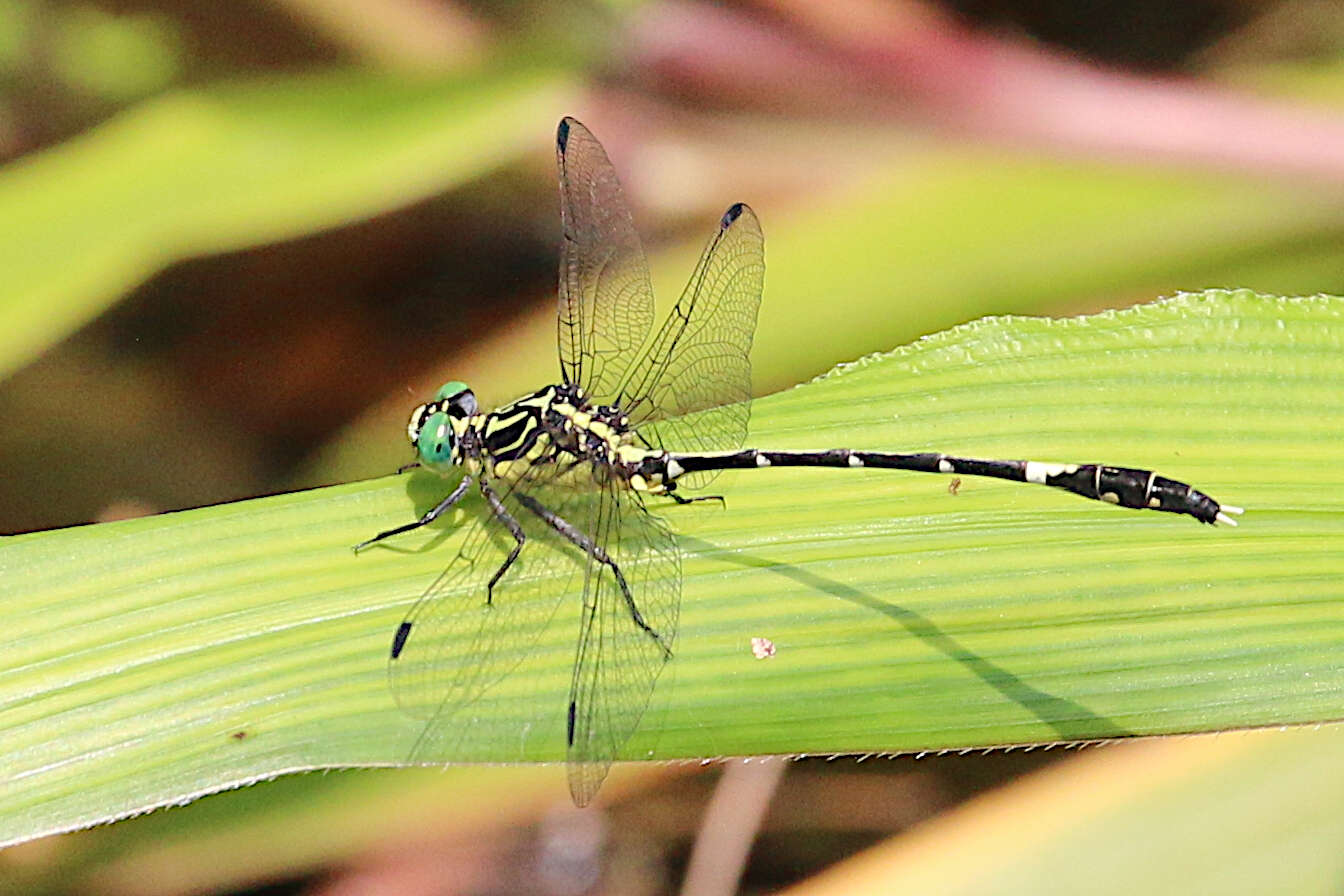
(1070, 720)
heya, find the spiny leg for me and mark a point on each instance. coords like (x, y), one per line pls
(671, 492)
(519, 539)
(596, 551)
(403, 631)
(428, 518)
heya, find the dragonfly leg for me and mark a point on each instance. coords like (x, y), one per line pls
(596, 551)
(433, 514)
(519, 539)
(672, 493)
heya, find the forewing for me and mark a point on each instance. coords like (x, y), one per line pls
(692, 390)
(606, 300)
(459, 645)
(617, 661)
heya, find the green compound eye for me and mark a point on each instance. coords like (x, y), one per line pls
(435, 442)
(448, 390)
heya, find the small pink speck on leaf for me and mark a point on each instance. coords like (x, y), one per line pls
(762, 648)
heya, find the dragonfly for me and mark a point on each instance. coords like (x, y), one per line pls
(572, 475)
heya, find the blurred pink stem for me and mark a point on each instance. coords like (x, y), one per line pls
(857, 56)
(732, 819)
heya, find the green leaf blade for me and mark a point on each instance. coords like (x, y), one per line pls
(166, 657)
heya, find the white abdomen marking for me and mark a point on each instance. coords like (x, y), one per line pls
(1038, 472)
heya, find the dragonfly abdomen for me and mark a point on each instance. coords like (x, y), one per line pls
(1123, 486)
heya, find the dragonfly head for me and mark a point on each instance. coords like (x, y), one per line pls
(435, 427)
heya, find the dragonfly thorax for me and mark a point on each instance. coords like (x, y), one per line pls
(587, 445)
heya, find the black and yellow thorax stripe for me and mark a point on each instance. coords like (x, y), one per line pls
(514, 431)
(558, 425)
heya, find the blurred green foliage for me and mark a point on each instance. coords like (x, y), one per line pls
(237, 166)
(92, 46)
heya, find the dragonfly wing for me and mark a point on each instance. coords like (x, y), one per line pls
(606, 300)
(455, 645)
(618, 661)
(692, 390)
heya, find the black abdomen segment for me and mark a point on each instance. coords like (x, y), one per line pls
(1124, 486)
